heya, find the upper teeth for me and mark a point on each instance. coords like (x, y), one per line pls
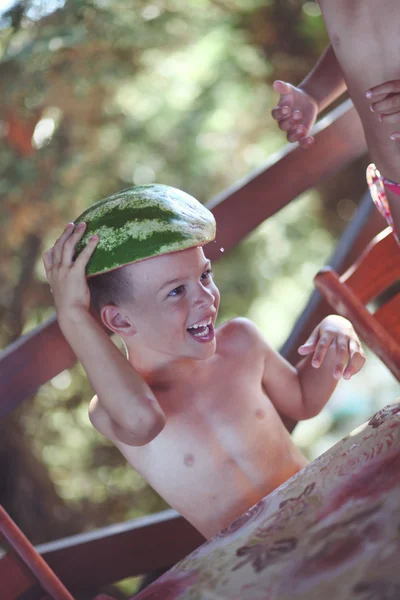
(204, 324)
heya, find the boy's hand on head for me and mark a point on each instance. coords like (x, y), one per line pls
(336, 332)
(385, 102)
(67, 277)
(296, 113)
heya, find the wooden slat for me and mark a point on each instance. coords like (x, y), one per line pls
(388, 316)
(31, 559)
(15, 578)
(124, 550)
(377, 268)
(43, 353)
(375, 336)
(30, 361)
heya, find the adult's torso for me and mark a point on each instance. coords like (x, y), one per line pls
(365, 35)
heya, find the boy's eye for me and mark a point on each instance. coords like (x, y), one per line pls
(177, 291)
(207, 274)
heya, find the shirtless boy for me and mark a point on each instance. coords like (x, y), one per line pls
(364, 57)
(192, 408)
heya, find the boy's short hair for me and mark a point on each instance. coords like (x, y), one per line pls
(113, 287)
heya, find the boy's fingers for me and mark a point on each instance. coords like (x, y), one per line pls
(310, 343)
(321, 349)
(342, 351)
(59, 245)
(388, 87)
(395, 136)
(87, 252)
(357, 360)
(306, 348)
(48, 259)
(70, 244)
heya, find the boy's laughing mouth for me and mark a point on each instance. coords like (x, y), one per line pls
(203, 331)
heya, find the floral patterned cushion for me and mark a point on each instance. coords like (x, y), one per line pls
(332, 531)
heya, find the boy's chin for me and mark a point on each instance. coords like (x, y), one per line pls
(204, 351)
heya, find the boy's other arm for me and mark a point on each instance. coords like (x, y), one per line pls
(135, 416)
(301, 392)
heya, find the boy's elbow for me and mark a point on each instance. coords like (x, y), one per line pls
(143, 430)
(137, 429)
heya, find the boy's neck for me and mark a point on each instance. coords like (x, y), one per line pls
(162, 371)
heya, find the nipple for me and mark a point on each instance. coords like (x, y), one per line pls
(188, 460)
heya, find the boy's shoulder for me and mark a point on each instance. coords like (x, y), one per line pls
(239, 335)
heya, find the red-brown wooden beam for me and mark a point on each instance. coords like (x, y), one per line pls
(88, 561)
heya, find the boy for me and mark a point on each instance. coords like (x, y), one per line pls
(192, 408)
(364, 50)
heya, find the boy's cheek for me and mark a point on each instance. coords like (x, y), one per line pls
(217, 296)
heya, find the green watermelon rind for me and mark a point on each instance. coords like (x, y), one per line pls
(141, 222)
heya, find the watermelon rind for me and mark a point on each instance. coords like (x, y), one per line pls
(141, 222)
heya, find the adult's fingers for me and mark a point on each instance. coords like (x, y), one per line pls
(388, 105)
(393, 118)
(388, 87)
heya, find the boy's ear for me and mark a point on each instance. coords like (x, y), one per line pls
(115, 320)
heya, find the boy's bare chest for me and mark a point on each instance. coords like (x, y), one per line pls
(227, 422)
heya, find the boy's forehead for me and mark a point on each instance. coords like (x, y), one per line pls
(171, 264)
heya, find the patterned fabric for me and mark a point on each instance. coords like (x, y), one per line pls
(330, 532)
(377, 185)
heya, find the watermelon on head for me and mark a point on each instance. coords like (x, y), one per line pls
(141, 222)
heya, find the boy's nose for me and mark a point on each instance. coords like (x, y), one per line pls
(204, 298)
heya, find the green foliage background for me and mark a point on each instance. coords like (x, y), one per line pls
(97, 95)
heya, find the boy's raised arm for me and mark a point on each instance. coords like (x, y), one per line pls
(122, 395)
